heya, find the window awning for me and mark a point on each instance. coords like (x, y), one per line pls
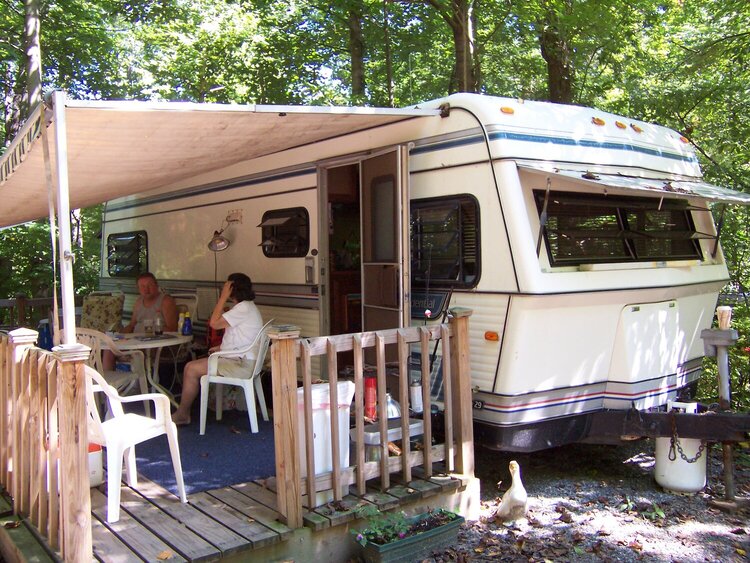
(121, 148)
(645, 186)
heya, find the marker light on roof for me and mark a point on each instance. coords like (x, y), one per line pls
(684, 139)
(597, 121)
(620, 125)
(636, 128)
(507, 110)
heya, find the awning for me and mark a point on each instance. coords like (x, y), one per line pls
(641, 186)
(119, 148)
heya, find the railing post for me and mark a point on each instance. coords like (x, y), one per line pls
(462, 404)
(285, 423)
(75, 497)
(20, 310)
(21, 340)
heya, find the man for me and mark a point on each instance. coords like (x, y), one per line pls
(151, 304)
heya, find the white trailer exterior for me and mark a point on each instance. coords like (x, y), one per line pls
(582, 241)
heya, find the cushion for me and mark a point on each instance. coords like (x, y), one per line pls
(102, 312)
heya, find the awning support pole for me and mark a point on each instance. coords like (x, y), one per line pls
(63, 214)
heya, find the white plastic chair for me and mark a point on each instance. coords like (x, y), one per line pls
(123, 431)
(251, 384)
(123, 381)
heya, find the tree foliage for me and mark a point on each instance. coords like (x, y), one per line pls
(682, 64)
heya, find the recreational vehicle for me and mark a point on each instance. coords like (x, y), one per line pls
(582, 241)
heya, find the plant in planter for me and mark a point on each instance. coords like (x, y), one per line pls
(392, 537)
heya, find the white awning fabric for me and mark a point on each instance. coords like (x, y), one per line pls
(650, 186)
(119, 148)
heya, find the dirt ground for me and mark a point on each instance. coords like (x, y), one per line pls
(601, 503)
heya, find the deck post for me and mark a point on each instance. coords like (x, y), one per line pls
(285, 423)
(462, 404)
(21, 340)
(75, 497)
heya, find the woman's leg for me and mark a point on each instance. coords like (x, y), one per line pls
(191, 378)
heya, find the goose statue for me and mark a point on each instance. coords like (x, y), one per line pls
(515, 500)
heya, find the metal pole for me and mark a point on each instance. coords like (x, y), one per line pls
(63, 214)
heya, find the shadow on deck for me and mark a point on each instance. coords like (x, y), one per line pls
(240, 522)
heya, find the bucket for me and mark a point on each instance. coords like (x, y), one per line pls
(96, 467)
(682, 472)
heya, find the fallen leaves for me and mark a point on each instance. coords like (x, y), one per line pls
(164, 555)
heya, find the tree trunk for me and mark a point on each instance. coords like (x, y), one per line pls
(556, 51)
(33, 94)
(357, 55)
(388, 63)
(459, 17)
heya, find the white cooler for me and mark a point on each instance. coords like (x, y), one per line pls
(321, 422)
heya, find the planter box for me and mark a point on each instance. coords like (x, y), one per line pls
(414, 547)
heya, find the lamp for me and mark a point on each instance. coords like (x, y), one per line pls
(219, 242)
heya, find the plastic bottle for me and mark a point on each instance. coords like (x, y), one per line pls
(158, 325)
(187, 327)
(180, 323)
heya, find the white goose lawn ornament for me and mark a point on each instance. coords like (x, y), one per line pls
(515, 500)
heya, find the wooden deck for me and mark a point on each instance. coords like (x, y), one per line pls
(229, 522)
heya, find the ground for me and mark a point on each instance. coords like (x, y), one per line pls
(601, 503)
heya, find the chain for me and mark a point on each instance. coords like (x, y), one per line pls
(675, 443)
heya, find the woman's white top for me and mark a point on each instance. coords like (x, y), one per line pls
(245, 323)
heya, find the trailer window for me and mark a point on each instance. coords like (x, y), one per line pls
(127, 254)
(445, 242)
(591, 228)
(285, 232)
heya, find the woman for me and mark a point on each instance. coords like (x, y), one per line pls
(241, 325)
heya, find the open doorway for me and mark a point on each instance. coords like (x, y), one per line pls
(344, 248)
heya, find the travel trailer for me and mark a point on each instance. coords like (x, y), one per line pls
(582, 241)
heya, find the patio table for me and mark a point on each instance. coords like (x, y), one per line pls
(150, 344)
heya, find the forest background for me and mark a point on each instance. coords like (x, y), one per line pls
(681, 63)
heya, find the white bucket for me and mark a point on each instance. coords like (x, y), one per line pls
(679, 475)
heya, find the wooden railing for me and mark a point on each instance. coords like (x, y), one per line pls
(457, 452)
(22, 311)
(43, 445)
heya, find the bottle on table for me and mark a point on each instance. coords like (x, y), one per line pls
(187, 326)
(180, 323)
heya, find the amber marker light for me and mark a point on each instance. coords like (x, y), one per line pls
(597, 121)
(684, 139)
(492, 336)
(636, 128)
(620, 125)
(507, 110)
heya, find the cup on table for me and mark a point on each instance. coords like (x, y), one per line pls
(724, 316)
(148, 326)
(158, 326)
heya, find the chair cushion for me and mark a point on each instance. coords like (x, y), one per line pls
(102, 312)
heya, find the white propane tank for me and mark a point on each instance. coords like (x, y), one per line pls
(678, 475)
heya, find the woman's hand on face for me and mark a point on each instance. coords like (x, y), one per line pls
(226, 291)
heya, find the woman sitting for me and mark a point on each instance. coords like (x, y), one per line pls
(241, 325)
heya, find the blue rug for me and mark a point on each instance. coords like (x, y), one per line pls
(227, 454)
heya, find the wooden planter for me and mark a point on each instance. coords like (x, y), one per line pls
(414, 548)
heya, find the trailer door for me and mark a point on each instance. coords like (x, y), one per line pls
(385, 228)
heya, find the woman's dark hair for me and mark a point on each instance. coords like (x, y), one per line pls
(242, 287)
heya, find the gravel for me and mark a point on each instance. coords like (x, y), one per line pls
(601, 503)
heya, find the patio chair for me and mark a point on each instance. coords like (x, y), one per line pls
(123, 381)
(102, 311)
(120, 434)
(251, 384)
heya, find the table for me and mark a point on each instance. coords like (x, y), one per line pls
(149, 343)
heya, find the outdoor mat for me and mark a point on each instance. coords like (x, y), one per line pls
(227, 454)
